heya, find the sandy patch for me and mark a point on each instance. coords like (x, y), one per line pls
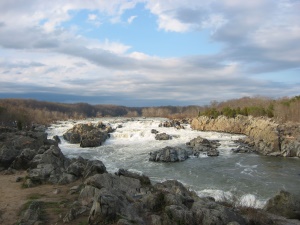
(13, 197)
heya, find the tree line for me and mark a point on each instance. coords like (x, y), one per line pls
(22, 113)
(282, 110)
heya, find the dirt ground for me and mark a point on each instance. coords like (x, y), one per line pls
(14, 198)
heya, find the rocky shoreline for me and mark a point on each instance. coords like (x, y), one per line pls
(123, 198)
(264, 134)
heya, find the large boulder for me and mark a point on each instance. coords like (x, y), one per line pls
(284, 204)
(88, 135)
(175, 204)
(142, 178)
(13, 142)
(94, 167)
(22, 161)
(203, 145)
(111, 197)
(169, 154)
(49, 166)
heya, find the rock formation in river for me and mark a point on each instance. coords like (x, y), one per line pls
(162, 136)
(173, 123)
(268, 137)
(203, 145)
(169, 154)
(88, 135)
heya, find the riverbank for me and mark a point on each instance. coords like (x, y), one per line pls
(264, 134)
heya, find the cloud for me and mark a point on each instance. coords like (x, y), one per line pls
(257, 32)
(92, 16)
(130, 19)
(39, 53)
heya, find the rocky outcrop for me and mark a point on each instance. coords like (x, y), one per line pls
(289, 136)
(169, 154)
(13, 143)
(124, 200)
(173, 123)
(88, 135)
(125, 197)
(264, 134)
(53, 167)
(245, 145)
(284, 204)
(142, 178)
(202, 145)
(43, 159)
(196, 147)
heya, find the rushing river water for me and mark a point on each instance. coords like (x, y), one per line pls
(248, 179)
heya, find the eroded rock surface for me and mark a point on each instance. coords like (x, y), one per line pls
(266, 136)
(88, 135)
(203, 145)
(169, 154)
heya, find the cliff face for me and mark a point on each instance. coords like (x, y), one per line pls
(268, 137)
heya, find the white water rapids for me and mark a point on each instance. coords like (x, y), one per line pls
(246, 179)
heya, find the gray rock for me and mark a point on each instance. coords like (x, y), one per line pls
(284, 204)
(49, 166)
(106, 207)
(13, 143)
(208, 212)
(76, 210)
(23, 159)
(93, 138)
(202, 145)
(32, 215)
(77, 167)
(162, 136)
(57, 139)
(94, 167)
(153, 131)
(67, 178)
(88, 135)
(169, 154)
(172, 123)
(8, 155)
(213, 152)
(128, 185)
(142, 178)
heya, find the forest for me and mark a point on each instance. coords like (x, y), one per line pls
(23, 113)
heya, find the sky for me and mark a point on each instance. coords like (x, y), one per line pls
(149, 52)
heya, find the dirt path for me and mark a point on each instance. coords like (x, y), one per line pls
(13, 197)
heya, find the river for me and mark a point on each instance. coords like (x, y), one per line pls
(247, 179)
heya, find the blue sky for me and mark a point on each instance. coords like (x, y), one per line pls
(149, 52)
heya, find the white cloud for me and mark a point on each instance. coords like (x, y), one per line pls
(130, 19)
(92, 17)
(259, 35)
